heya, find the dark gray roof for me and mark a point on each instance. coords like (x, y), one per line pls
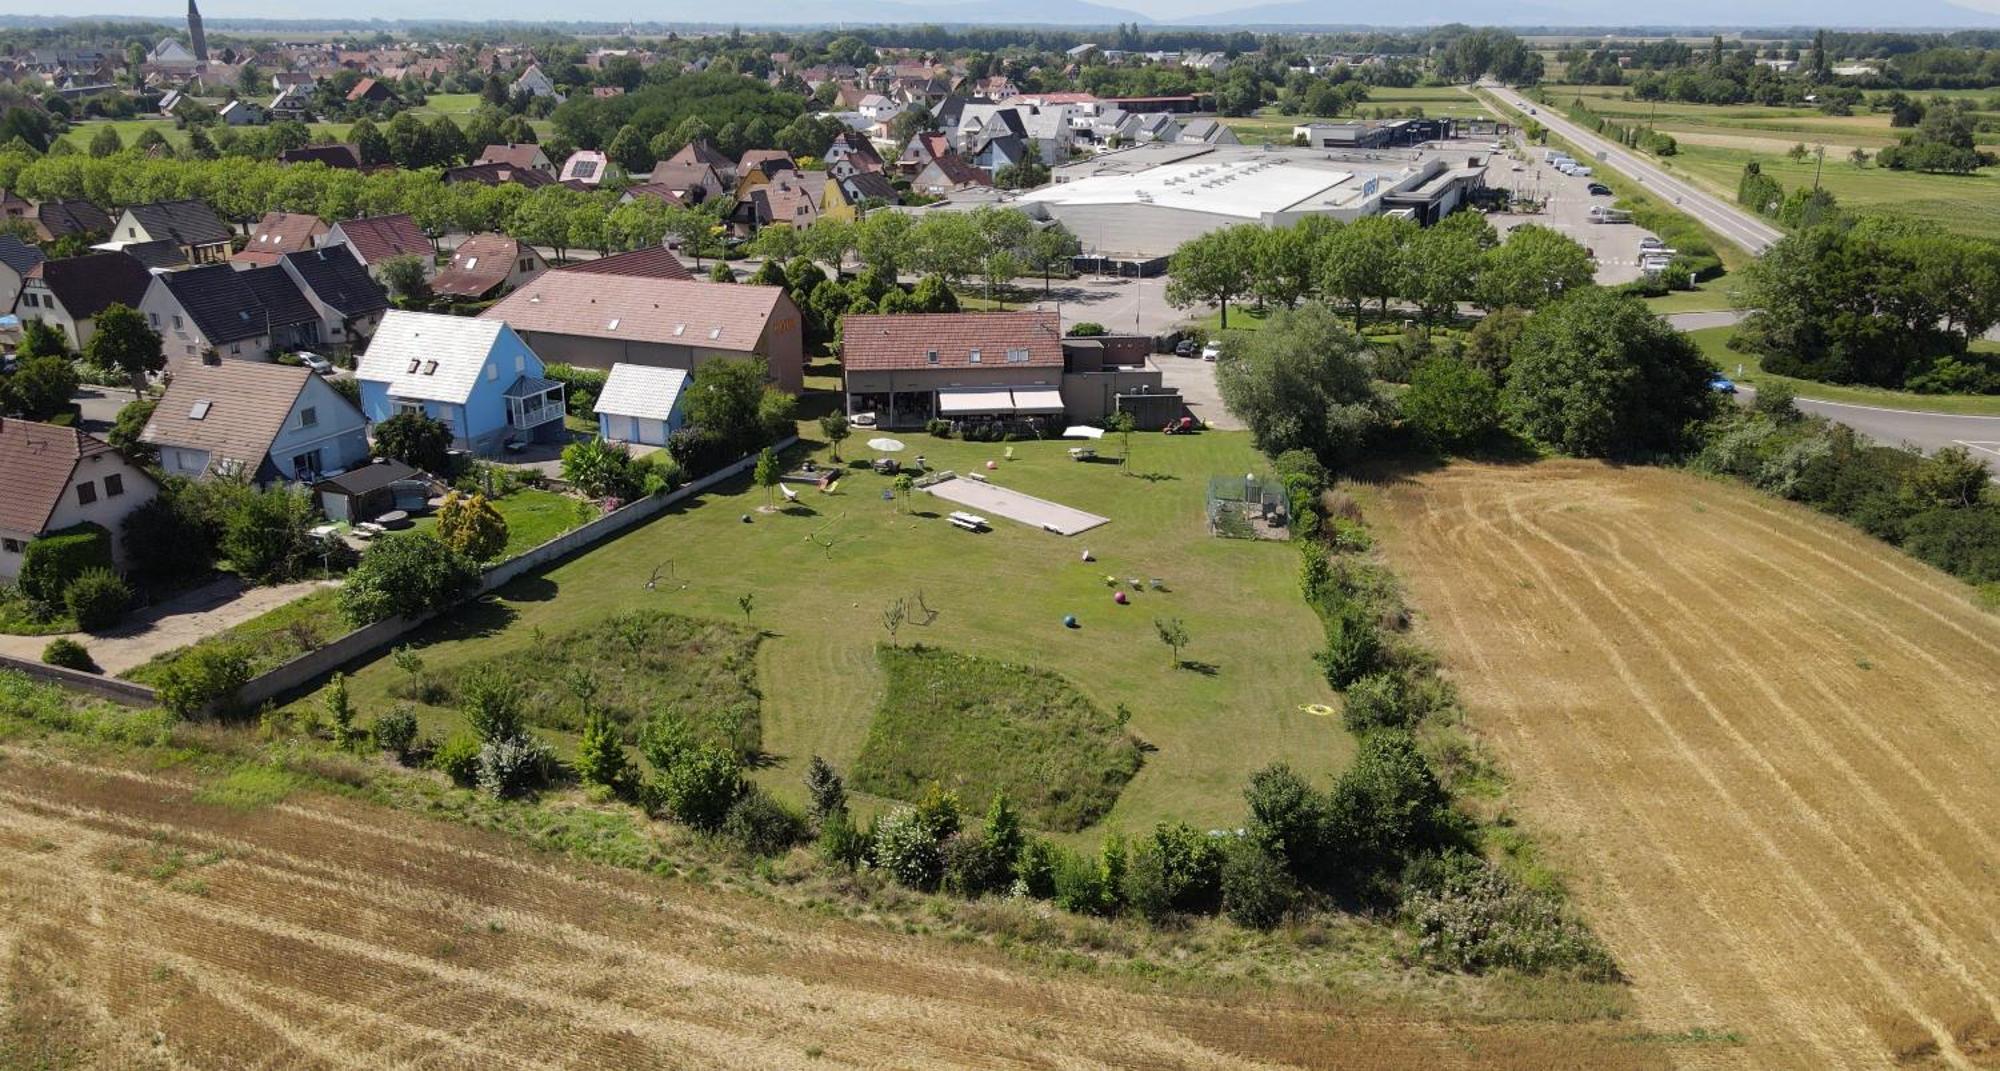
(866, 185)
(188, 222)
(165, 253)
(86, 284)
(339, 280)
(18, 254)
(230, 305)
(365, 478)
(60, 217)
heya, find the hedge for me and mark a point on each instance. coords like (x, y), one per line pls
(56, 559)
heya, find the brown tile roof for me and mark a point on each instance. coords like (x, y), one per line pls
(684, 175)
(700, 315)
(479, 264)
(654, 191)
(515, 153)
(656, 262)
(379, 238)
(701, 152)
(789, 198)
(769, 161)
(247, 403)
(36, 462)
(279, 233)
(491, 174)
(956, 172)
(904, 343)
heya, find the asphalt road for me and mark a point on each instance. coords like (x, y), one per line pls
(1929, 432)
(1720, 216)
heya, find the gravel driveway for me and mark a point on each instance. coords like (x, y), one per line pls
(179, 621)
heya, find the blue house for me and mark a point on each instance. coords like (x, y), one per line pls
(642, 404)
(475, 375)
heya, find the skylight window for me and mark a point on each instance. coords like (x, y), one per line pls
(973, 357)
(715, 332)
(200, 409)
(613, 325)
(680, 329)
(1017, 355)
(414, 364)
(471, 263)
(430, 368)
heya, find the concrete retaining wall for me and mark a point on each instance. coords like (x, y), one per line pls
(126, 692)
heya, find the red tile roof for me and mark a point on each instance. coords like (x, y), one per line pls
(905, 342)
(279, 233)
(657, 262)
(728, 317)
(479, 264)
(36, 462)
(379, 238)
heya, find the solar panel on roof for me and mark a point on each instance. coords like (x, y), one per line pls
(584, 168)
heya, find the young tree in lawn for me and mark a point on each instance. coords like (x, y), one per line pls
(1214, 269)
(893, 616)
(906, 486)
(340, 711)
(746, 602)
(835, 427)
(471, 526)
(766, 476)
(123, 340)
(1173, 633)
(1121, 424)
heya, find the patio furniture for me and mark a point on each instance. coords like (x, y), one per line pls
(827, 486)
(971, 522)
(1008, 453)
(887, 466)
(395, 518)
(1082, 453)
(790, 495)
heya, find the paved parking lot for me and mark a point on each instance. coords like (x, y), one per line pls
(1195, 379)
(1615, 245)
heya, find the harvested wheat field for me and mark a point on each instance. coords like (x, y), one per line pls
(142, 928)
(1762, 747)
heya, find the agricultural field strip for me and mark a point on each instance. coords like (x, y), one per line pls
(276, 973)
(1926, 926)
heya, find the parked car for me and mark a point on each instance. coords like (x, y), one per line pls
(1599, 189)
(1211, 351)
(1650, 242)
(1186, 348)
(316, 364)
(1721, 384)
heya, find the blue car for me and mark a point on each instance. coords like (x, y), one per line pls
(1722, 383)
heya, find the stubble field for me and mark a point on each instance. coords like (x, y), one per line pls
(141, 927)
(1762, 746)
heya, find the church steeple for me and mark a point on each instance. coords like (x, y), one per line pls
(196, 39)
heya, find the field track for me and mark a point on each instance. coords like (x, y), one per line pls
(140, 928)
(1764, 748)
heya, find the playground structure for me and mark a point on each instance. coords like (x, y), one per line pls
(1247, 507)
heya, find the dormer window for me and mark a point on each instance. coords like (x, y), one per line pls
(931, 357)
(973, 357)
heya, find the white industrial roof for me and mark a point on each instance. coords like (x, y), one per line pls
(642, 391)
(1249, 187)
(429, 356)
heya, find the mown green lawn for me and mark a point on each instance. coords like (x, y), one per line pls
(533, 518)
(1966, 204)
(1000, 594)
(1714, 342)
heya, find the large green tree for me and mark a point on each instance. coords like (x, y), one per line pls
(1597, 374)
(123, 340)
(1534, 266)
(1363, 262)
(1303, 382)
(1214, 269)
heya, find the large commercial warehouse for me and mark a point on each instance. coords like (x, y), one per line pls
(1133, 207)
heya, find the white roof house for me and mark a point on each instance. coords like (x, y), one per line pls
(642, 391)
(430, 355)
(641, 404)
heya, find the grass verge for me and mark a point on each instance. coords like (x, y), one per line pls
(1714, 341)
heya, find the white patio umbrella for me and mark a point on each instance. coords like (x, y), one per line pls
(885, 444)
(1082, 431)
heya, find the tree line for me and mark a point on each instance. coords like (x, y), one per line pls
(1376, 260)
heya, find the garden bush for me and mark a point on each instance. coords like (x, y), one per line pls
(1378, 701)
(1474, 918)
(909, 849)
(511, 768)
(458, 759)
(1257, 889)
(701, 786)
(52, 562)
(396, 731)
(69, 654)
(97, 598)
(761, 824)
(205, 677)
(405, 574)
